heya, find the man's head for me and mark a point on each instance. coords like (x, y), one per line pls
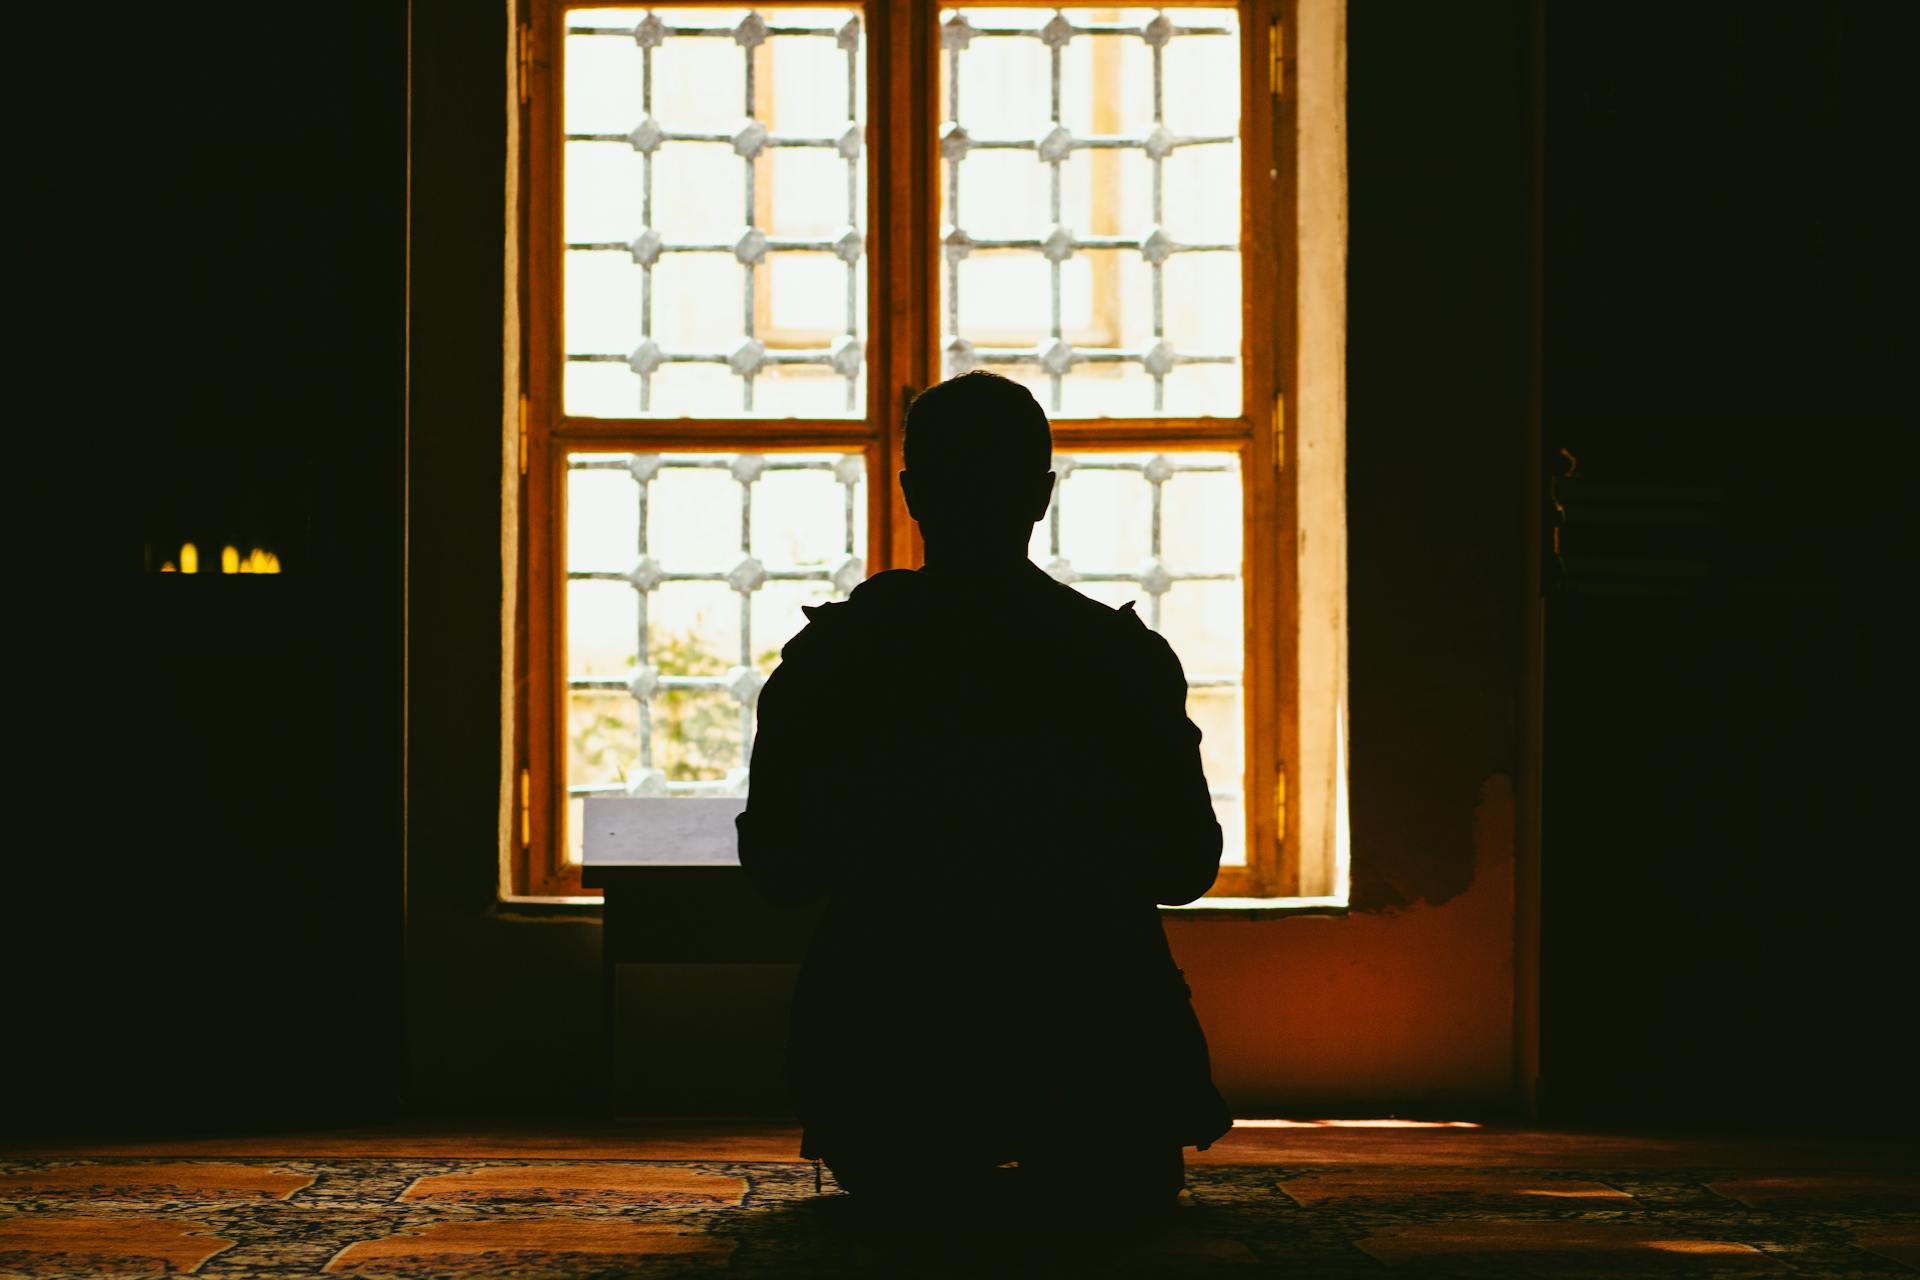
(978, 452)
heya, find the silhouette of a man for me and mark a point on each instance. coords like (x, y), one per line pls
(992, 780)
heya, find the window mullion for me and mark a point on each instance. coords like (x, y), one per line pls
(703, 434)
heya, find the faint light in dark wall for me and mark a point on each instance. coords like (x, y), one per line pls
(257, 560)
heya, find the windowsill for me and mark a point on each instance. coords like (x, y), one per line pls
(529, 906)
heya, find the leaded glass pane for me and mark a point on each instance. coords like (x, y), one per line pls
(686, 573)
(1163, 532)
(1090, 206)
(714, 213)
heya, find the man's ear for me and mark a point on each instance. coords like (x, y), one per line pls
(1043, 496)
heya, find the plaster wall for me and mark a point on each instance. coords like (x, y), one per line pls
(1402, 1006)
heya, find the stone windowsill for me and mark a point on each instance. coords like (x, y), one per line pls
(530, 906)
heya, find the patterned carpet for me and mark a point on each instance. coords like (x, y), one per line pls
(374, 1216)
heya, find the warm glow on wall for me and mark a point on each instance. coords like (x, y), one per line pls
(189, 558)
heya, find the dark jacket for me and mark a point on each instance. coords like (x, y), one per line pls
(992, 780)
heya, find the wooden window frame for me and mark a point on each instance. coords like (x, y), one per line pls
(902, 57)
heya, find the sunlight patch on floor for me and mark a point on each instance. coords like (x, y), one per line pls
(1389, 1123)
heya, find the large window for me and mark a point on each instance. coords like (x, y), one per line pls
(752, 234)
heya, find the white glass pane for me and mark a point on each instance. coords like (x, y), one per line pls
(1200, 525)
(799, 519)
(1212, 60)
(802, 69)
(1090, 204)
(687, 390)
(805, 193)
(1200, 198)
(699, 194)
(1100, 391)
(1106, 518)
(799, 391)
(701, 82)
(603, 635)
(701, 144)
(598, 390)
(687, 329)
(1004, 82)
(693, 518)
(602, 508)
(1217, 714)
(809, 294)
(1003, 300)
(603, 75)
(1120, 194)
(1002, 194)
(1232, 813)
(1202, 621)
(1209, 388)
(601, 307)
(603, 188)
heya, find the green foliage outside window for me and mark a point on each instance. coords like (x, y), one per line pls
(696, 732)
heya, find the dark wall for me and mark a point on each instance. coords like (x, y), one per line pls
(1726, 896)
(502, 1007)
(1437, 355)
(458, 292)
(210, 928)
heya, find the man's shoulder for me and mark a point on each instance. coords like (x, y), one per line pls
(1093, 626)
(888, 587)
(1073, 603)
(833, 625)
(905, 597)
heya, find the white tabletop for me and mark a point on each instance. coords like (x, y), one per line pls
(680, 831)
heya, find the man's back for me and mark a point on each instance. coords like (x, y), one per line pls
(993, 780)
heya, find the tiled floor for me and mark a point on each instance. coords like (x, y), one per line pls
(715, 1198)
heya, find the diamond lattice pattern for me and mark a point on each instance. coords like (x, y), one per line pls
(1090, 204)
(686, 573)
(714, 220)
